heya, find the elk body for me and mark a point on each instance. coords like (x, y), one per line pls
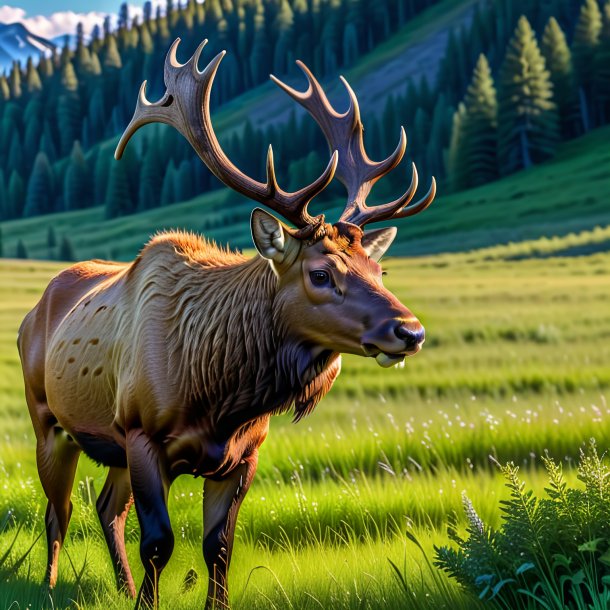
(173, 364)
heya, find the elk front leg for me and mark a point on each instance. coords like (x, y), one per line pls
(150, 486)
(221, 502)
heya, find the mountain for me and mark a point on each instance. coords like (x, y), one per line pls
(18, 43)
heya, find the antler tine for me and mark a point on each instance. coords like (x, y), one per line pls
(419, 206)
(344, 132)
(186, 107)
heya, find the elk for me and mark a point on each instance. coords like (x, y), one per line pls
(174, 363)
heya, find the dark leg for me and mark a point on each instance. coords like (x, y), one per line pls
(221, 502)
(150, 484)
(56, 456)
(112, 507)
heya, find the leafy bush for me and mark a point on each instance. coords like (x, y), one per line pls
(550, 553)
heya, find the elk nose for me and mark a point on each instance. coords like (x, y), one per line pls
(411, 336)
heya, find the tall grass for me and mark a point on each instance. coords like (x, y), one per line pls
(515, 363)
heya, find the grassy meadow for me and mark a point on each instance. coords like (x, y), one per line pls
(516, 364)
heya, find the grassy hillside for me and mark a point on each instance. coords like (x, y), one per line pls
(568, 194)
(515, 364)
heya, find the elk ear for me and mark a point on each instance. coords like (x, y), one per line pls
(272, 238)
(377, 241)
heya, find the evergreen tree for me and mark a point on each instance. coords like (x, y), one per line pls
(602, 70)
(112, 58)
(21, 251)
(480, 126)
(168, 194)
(1, 244)
(118, 201)
(77, 181)
(69, 119)
(101, 173)
(5, 90)
(39, 198)
(32, 78)
(584, 46)
(5, 208)
(151, 178)
(66, 250)
(527, 116)
(15, 80)
(68, 77)
(184, 188)
(259, 56)
(16, 195)
(558, 60)
(456, 166)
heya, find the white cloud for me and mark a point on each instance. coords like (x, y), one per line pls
(10, 14)
(65, 22)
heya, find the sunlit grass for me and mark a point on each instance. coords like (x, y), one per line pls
(515, 364)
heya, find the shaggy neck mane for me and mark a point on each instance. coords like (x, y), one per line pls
(232, 353)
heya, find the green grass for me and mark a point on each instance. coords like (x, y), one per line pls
(515, 364)
(520, 208)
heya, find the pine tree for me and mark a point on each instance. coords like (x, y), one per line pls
(5, 90)
(558, 60)
(184, 188)
(32, 78)
(168, 194)
(151, 178)
(602, 70)
(118, 201)
(77, 180)
(21, 251)
(101, 173)
(456, 167)
(68, 77)
(259, 56)
(39, 198)
(584, 45)
(5, 208)
(69, 118)
(16, 195)
(66, 250)
(15, 80)
(527, 116)
(480, 126)
(112, 58)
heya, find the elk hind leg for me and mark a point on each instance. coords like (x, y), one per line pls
(113, 506)
(57, 456)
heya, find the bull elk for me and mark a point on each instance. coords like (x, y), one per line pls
(174, 363)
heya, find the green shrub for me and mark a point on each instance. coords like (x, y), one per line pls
(550, 553)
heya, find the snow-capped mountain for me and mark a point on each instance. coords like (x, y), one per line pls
(18, 43)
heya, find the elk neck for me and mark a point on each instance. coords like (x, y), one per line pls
(231, 347)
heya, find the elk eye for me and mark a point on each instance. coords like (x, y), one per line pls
(319, 278)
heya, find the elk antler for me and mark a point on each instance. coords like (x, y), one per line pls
(186, 106)
(355, 170)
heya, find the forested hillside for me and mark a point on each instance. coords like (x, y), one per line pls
(516, 79)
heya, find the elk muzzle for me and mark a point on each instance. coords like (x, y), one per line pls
(392, 340)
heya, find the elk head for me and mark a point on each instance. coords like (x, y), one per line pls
(330, 291)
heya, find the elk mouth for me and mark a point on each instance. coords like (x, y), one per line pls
(383, 359)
